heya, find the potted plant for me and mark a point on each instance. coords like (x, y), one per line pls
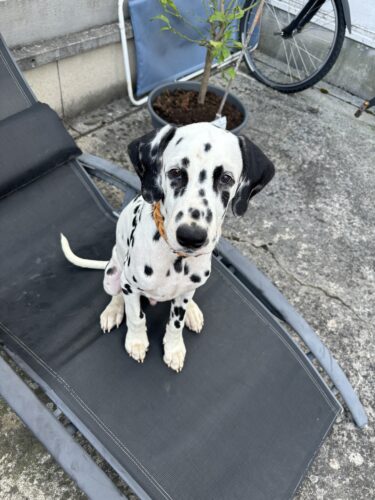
(182, 103)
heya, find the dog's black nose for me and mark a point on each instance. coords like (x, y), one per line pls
(191, 236)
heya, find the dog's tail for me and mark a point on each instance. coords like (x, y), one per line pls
(78, 261)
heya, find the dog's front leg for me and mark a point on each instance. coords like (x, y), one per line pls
(174, 347)
(113, 314)
(136, 341)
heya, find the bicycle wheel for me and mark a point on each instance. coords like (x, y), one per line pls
(295, 43)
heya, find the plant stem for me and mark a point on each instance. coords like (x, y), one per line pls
(239, 60)
(206, 76)
(209, 58)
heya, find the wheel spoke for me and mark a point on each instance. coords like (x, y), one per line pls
(294, 59)
(308, 53)
(284, 44)
(300, 56)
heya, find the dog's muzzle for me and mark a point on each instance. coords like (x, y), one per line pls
(189, 237)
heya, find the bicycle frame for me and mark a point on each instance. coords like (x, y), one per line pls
(307, 13)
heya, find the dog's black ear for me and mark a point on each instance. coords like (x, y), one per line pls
(257, 171)
(146, 155)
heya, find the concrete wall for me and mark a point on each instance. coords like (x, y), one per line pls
(23, 22)
(82, 82)
(363, 20)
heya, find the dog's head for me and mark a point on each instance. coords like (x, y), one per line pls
(195, 171)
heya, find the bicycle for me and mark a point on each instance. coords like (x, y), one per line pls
(296, 42)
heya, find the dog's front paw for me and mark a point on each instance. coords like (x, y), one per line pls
(194, 317)
(136, 346)
(174, 353)
(113, 314)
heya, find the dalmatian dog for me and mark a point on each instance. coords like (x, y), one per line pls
(165, 236)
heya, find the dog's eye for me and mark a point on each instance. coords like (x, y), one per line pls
(174, 173)
(226, 179)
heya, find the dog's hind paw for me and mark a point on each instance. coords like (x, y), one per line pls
(194, 319)
(113, 314)
(136, 347)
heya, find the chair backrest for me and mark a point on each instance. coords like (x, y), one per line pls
(32, 142)
(162, 56)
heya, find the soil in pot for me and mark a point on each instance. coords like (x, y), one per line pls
(181, 107)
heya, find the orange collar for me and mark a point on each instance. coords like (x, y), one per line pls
(159, 219)
(159, 222)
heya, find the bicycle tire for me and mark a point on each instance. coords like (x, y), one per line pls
(316, 77)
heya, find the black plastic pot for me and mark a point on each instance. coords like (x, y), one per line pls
(158, 122)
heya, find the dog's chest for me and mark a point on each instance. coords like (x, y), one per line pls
(161, 278)
(149, 265)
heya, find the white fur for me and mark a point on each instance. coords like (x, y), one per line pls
(172, 276)
(78, 261)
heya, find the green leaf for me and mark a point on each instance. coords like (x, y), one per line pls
(215, 44)
(237, 45)
(170, 4)
(162, 18)
(231, 73)
(217, 16)
(225, 52)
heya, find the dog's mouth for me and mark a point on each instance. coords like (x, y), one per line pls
(192, 252)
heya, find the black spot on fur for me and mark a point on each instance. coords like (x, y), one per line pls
(148, 270)
(111, 270)
(179, 185)
(186, 269)
(168, 273)
(136, 209)
(207, 273)
(128, 263)
(156, 236)
(165, 140)
(179, 140)
(207, 146)
(134, 279)
(134, 223)
(209, 216)
(205, 202)
(195, 214)
(195, 278)
(186, 301)
(225, 198)
(177, 324)
(202, 192)
(127, 242)
(178, 265)
(179, 312)
(141, 315)
(127, 289)
(179, 215)
(218, 172)
(202, 175)
(185, 162)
